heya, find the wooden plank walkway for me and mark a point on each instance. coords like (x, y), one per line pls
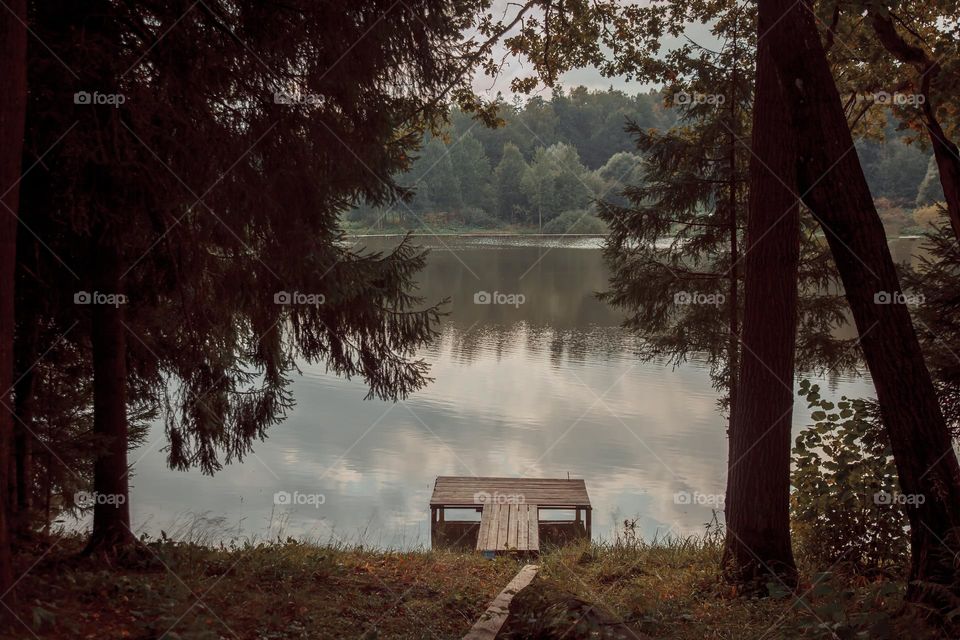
(509, 527)
(489, 624)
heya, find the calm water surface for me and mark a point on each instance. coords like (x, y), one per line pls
(546, 388)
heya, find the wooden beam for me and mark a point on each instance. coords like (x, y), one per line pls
(490, 622)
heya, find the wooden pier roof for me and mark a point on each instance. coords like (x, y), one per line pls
(467, 491)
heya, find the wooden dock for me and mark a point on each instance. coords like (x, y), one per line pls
(509, 527)
(509, 509)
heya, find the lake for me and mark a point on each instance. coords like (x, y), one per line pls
(542, 385)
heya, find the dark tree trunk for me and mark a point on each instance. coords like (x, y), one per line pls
(111, 514)
(944, 150)
(948, 165)
(13, 103)
(23, 428)
(758, 524)
(831, 179)
(733, 341)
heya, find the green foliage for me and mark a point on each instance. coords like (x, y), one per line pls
(478, 218)
(895, 169)
(832, 609)
(509, 170)
(580, 221)
(936, 282)
(622, 170)
(845, 507)
(557, 181)
(679, 237)
(214, 196)
(472, 168)
(435, 179)
(673, 240)
(512, 202)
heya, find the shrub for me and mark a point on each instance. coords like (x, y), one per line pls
(932, 214)
(846, 507)
(476, 217)
(576, 222)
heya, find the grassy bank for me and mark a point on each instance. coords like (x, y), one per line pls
(444, 229)
(293, 591)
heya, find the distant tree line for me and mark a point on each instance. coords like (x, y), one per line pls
(550, 160)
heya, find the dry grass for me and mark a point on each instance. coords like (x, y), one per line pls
(290, 590)
(257, 591)
(671, 589)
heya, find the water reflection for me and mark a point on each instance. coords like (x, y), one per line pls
(545, 388)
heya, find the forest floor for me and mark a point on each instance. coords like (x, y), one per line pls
(291, 590)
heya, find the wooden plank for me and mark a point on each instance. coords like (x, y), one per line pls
(503, 523)
(490, 534)
(534, 528)
(491, 544)
(523, 528)
(490, 622)
(523, 520)
(484, 531)
(509, 527)
(512, 526)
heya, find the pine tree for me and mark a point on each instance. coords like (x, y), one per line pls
(692, 189)
(675, 250)
(472, 169)
(203, 208)
(834, 188)
(511, 201)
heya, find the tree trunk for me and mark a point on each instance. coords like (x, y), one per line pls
(23, 428)
(733, 341)
(758, 489)
(13, 104)
(111, 513)
(944, 150)
(948, 165)
(832, 181)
